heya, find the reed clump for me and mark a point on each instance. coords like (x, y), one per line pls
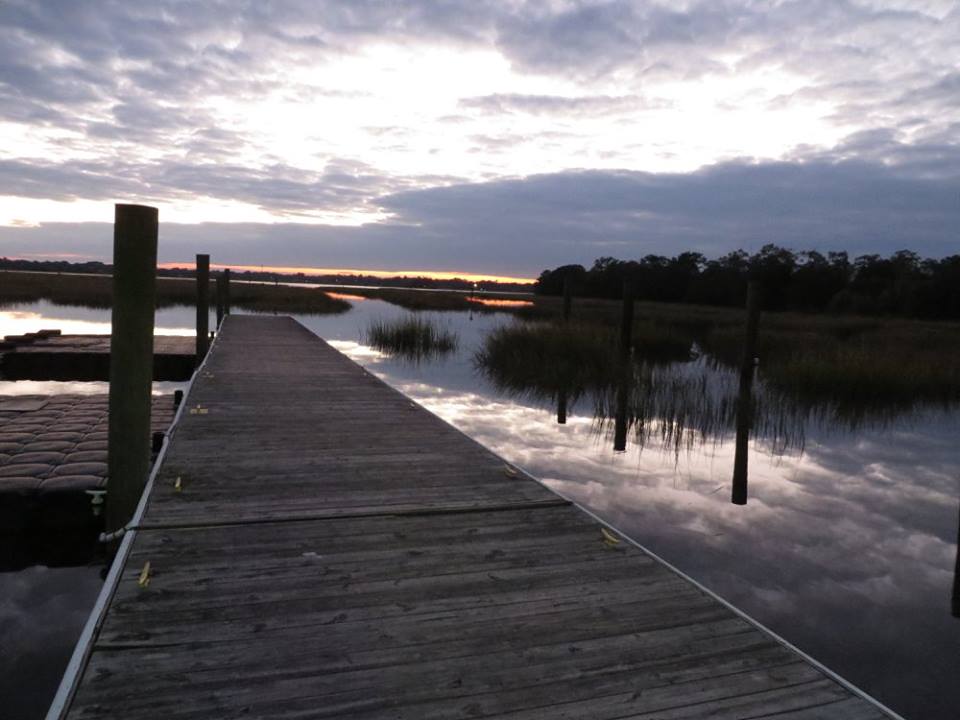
(412, 337)
(546, 359)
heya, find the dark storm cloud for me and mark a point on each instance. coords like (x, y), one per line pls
(521, 226)
(826, 203)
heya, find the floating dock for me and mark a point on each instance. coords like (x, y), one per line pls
(48, 355)
(316, 545)
(53, 449)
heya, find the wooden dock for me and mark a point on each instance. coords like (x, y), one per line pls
(87, 357)
(53, 449)
(336, 551)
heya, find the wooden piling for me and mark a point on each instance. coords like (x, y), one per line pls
(131, 359)
(203, 306)
(626, 320)
(955, 598)
(219, 293)
(226, 292)
(620, 416)
(177, 398)
(745, 396)
(562, 408)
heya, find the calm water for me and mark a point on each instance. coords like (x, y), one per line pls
(847, 546)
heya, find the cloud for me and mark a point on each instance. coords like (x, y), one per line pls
(591, 105)
(171, 101)
(342, 186)
(523, 225)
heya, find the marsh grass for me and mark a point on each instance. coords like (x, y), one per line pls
(836, 372)
(851, 368)
(846, 368)
(681, 409)
(676, 406)
(545, 360)
(96, 291)
(412, 337)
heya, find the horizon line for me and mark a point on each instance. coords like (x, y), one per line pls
(312, 271)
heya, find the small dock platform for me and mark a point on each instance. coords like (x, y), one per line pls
(53, 449)
(333, 550)
(48, 355)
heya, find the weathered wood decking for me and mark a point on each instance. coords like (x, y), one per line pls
(337, 551)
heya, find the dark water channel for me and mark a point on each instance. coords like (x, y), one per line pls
(846, 546)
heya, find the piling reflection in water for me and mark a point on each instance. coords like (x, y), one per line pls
(955, 599)
(738, 495)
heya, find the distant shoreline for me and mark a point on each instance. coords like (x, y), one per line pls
(346, 278)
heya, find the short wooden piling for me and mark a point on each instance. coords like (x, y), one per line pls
(745, 396)
(177, 398)
(226, 292)
(203, 306)
(156, 442)
(131, 359)
(626, 320)
(219, 293)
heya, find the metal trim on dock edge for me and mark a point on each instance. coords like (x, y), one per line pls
(81, 652)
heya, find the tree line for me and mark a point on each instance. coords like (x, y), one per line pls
(902, 284)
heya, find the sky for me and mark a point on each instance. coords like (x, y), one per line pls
(487, 137)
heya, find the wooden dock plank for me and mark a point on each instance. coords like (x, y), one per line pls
(335, 551)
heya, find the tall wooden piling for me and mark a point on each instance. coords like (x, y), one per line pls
(131, 359)
(203, 306)
(745, 396)
(626, 320)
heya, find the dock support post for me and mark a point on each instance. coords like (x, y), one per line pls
(745, 396)
(203, 306)
(626, 320)
(955, 597)
(219, 293)
(131, 359)
(226, 292)
(620, 414)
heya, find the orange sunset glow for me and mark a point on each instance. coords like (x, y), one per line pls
(430, 274)
(492, 302)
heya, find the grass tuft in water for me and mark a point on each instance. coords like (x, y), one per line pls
(544, 359)
(412, 337)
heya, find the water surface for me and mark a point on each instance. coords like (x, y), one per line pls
(847, 546)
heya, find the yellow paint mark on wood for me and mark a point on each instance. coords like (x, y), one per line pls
(609, 538)
(144, 578)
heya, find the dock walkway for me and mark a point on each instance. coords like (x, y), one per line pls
(336, 551)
